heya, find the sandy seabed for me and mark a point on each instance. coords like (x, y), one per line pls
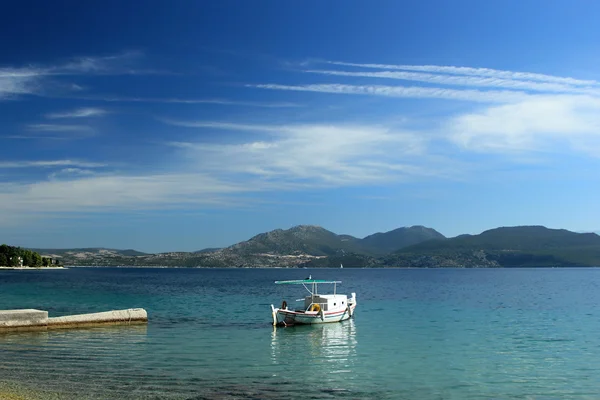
(16, 391)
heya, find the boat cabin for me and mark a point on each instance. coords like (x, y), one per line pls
(326, 302)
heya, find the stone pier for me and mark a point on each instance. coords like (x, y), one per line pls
(30, 319)
(27, 319)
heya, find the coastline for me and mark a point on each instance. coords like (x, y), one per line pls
(31, 268)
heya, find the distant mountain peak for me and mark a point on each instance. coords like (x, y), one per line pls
(307, 228)
(387, 242)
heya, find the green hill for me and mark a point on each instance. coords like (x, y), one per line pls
(519, 246)
(127, 253)
(16, 257)
(384, 243)
(317, 241)
(416, 247)
(301, 239)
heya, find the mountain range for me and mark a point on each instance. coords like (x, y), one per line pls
(416, 247)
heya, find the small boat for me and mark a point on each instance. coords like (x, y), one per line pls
(317, 308)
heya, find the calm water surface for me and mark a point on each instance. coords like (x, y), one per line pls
(417, 334)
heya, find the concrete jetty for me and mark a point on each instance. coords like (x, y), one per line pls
(30, 319)
(23, 319)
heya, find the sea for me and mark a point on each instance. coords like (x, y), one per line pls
(416, 334)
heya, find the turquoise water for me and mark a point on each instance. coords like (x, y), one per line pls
(417, 334)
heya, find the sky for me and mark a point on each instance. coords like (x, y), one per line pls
(176, 126)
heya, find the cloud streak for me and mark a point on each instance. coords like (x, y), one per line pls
(467, 80)
(33, 79)
(514, 112)
(209, 174)
(470, 71)
(54, 131)
(78, 113)
(229, 126)
(15, 82)
(339, 155)
(114, 192)
(59, 128)
(487, 96)
(224, 102)
(50, 164)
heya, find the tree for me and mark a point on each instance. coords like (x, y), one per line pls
(10, 256)
(27, 257)
(14, 261)
(36, 260)
(45, 261)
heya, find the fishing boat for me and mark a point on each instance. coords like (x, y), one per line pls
(316, 308)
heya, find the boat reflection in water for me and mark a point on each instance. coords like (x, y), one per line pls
(322, 350)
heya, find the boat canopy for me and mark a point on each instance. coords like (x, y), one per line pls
(304, 281)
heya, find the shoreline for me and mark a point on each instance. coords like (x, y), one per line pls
(11, 390)
(31, 268)
(294, 267)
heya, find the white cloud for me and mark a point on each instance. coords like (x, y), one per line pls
(222, 125)
(50, 164)
(493, 96)
(317, 154)
(467, 80)
(17, 82)
(561, 116)
(469, 71)
(115, 192)
(537, 124)
(289, 157)
(54, 132)
(67, 173)
(78, 113)
(174, 100)
(33, 79)
(60, 131)
(116, 64)
(57, 128)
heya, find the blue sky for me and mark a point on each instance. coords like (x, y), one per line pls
(182, 125)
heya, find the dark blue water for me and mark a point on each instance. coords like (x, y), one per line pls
(417, 334)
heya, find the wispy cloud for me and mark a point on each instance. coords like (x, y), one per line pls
(78, 113)
(469, 71)
(116, 64)
(223, 125)
(50, 164)
(316, 154)
(17, 82)
(189, 101)
(54, 131)
(541, 123)
(116, 192)
(468, 80)
(488, 96)
(58, 128)
(32, 79)
(288, 157)
(527, 112)
(66, 173)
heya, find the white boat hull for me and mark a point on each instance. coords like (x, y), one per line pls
(290, 317)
